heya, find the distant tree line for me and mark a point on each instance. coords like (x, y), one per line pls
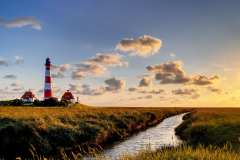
(48, 102)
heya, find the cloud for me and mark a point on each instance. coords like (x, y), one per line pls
(58, 71)
(189, 92)
(142, 46)
(215, 90)
(3, 62)
(195, 96)
(169, 72)
(86, 90)
(10, 76)
(145, 82)
(114, 84)
(85, 69)
(173, 73)
(159, 91)
(57, 75)
(142, 97)
(56, 89)
(40, 91)
(61, 68)
(74, 87)
(97, 65)
(109, 59)
(16, 87)
(132, 89)
(172, 55)
(203, 80)
(77, 75)
(21, 22)
(15, 84)
(183, 91)
(19, 60)
(148, 97)
(151, 92)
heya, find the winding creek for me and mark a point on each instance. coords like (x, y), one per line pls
(156, 137)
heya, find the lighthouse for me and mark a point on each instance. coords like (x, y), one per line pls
(47, 85)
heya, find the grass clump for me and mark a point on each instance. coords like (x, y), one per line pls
(188, 153)
(212, 127)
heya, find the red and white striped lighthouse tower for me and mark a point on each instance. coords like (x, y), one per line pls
(47, 86)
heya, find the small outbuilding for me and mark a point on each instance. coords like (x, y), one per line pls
(68, 96)
(28, 97)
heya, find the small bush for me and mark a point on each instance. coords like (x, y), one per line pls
(51, 102)
(38, 103)
(16, 102)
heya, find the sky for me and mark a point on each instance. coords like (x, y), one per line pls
(123, 53)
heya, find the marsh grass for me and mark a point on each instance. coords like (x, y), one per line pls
(54, 131)
(212, 127)
(187, 153)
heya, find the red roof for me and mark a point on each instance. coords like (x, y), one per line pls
(67, 96)
(28, 95)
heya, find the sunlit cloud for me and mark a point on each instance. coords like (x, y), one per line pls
(109, 59)
(61, 68)
(146, 91)
(203, 80)
(132, 89)
(145, 81)
(214, 89)
(186, 91)
(142, 97)
(153, 91)
(98, 65)
(173, 73)
(59, 71)
(169, 72)
(86, 90)
(110, 85)
(77, 75)
(142, 46)
(88, 69)
(115, 85)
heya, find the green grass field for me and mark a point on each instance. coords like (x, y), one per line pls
(70, 132)
(210, 134)
(51, 131)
